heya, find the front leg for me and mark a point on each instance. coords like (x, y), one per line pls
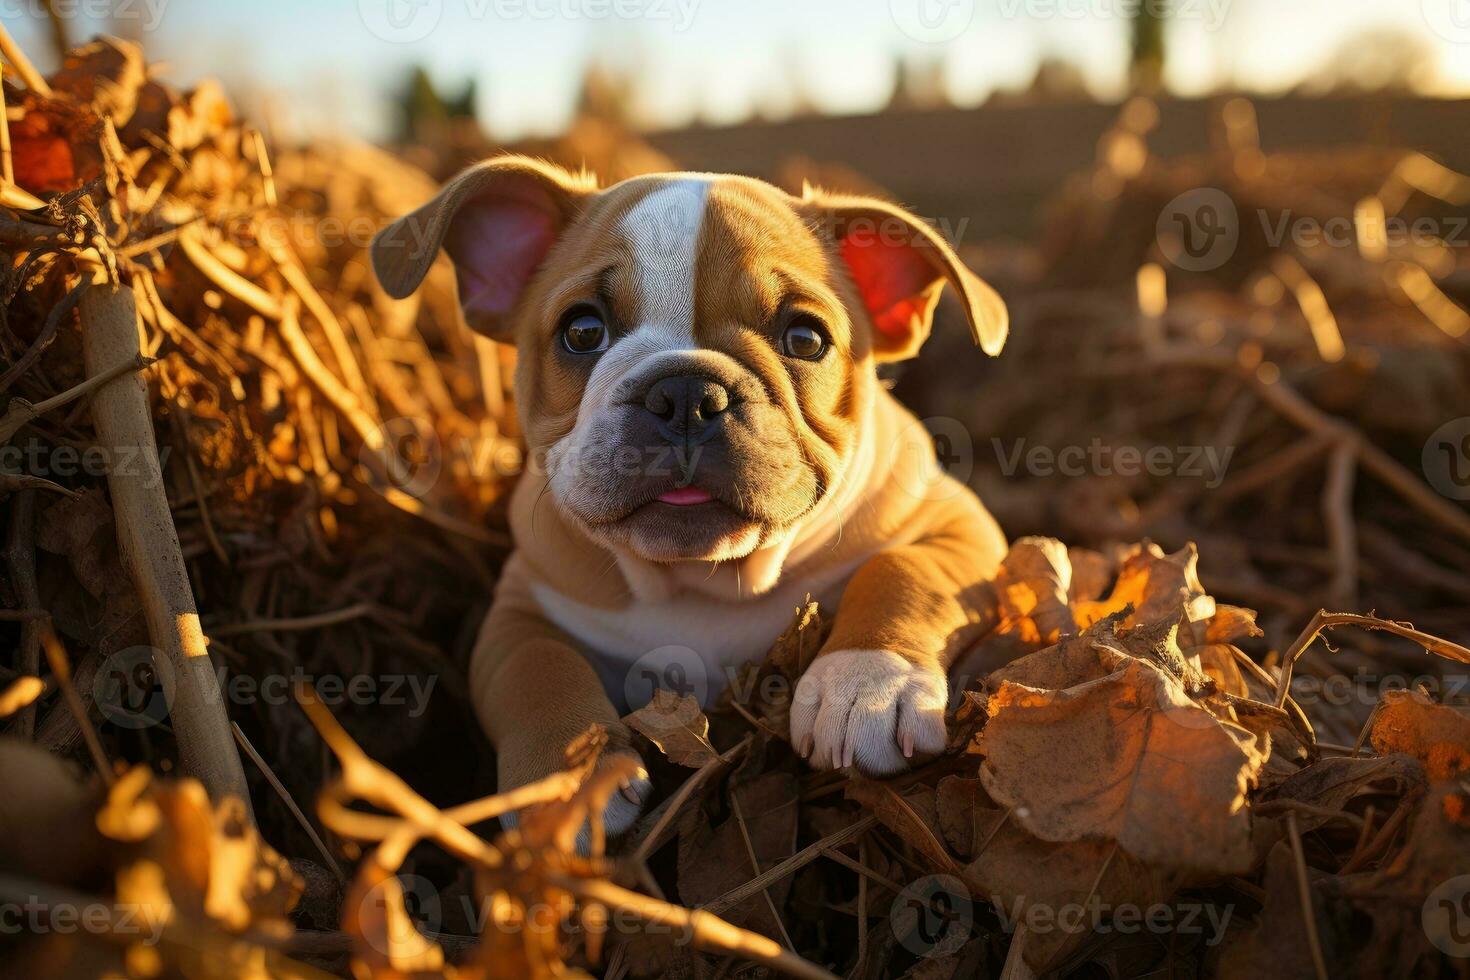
(535, 693)
(876, 693)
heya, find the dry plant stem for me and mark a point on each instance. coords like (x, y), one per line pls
(1015, 967)
(149, 544)
(7, 163)
(331, 618)
(755, 866)
(22, 65)
(861, 869)
(324, 381)
(285, 795)
(1304, 893)
(365, 779)
(60, 665)
(1324, 620)
(792, 864)
(296, 278)
(21, 411)
(1381, 840)
(655, 836)
(1303, 413)
(225, 278)
(1342, 532)
(709, 931)
(20, 563)
(44, 339)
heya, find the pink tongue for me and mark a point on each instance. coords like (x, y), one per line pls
(684, 496)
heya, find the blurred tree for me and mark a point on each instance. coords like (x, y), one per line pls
(1146, 69)
(1377, 60)
(425, 112)
(606, 93)
(920, 85)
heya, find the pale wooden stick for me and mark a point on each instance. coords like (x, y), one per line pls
(149, 544)
(22, 65)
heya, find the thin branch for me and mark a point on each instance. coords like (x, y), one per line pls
(1324, 620)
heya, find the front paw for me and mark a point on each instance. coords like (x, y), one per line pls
(868, 708)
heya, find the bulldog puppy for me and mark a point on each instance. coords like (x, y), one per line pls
(696, 383)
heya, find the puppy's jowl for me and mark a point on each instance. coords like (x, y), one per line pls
(732, 331)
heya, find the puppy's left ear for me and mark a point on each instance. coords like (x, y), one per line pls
(900, 265)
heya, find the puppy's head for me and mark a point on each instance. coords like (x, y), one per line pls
(696, 352)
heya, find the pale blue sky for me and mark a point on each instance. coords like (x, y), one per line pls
(327, 64)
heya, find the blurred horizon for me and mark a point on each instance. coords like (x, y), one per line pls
(344, 66)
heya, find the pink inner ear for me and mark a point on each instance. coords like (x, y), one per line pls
(892, 279)
(496, 246)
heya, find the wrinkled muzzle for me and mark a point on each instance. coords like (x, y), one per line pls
(684, 456)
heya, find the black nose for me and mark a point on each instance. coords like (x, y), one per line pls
(686, 406)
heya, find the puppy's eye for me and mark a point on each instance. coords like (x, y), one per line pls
(583, 332)
(803, 340)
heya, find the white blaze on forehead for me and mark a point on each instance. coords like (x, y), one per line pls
(663, 233)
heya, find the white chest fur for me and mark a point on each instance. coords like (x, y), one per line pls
(689, 643)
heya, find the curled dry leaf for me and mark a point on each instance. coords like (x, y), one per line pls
(675, 723)
(1033, 586)
(1157, 586)
(1435, 734)
(1121, 753)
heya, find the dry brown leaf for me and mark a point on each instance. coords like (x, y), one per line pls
(1126, 756)
(677, 726)
(715, 860)
(913, 815)
(1334, 784)
(42, 154)
(1032, 586)
(1219, 664)
(1059, 890)
(1156, 585)
(1031, 589)
(1230, 623)
(966, 814)
(796, 648)
(1092, 571)
(1436, 735)
(1275, 946)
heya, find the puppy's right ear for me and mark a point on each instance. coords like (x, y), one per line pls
(496, 220)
